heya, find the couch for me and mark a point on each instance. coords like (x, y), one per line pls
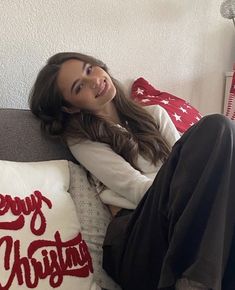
(22, 139)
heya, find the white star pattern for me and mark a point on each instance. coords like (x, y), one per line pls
(177, 117)
(165, 102)
(183, 110)
(140, 91)
(182, 113)
(145, 100)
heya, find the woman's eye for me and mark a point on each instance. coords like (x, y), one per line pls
(89, 69)
(78, 89)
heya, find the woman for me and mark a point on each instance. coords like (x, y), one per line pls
(172, 230)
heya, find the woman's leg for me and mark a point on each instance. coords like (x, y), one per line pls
(186, 284)
(184, 225)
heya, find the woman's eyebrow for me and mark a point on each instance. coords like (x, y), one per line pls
(77, 80)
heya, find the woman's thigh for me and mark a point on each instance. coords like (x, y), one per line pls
(184, 223)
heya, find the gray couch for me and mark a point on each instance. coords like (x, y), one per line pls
(22, 139)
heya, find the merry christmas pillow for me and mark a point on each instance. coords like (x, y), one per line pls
(41, 245)
(181, 112)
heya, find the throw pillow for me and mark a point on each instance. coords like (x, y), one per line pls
(41, 245)
(181, 112)
(94, 217)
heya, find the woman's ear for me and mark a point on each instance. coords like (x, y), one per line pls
(70, 110)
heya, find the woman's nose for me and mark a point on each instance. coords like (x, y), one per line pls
(93, 82)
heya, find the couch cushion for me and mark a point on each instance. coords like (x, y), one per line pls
(22, 139)
(94, 217)
(180, 111)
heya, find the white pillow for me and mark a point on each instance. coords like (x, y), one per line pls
(94, 217)
(41, 245)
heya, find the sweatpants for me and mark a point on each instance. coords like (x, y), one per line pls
(184, 225)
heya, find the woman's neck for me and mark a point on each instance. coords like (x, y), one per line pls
(110, 113)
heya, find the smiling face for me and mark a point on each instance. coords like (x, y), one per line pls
(85, 87)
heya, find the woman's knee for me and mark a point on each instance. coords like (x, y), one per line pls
(217, 123)
(216, 119)
(209, 130)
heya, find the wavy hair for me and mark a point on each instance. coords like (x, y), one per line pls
(138, 133)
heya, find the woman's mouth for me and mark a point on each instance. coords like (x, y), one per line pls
(103, 88)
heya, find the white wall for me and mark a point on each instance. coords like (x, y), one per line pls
(183, 47)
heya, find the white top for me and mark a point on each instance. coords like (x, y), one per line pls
(125, 186)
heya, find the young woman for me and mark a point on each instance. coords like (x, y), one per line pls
(173, 206)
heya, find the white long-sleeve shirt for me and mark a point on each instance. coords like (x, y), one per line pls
(124, 185)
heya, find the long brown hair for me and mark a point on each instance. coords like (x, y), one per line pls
(138, 134)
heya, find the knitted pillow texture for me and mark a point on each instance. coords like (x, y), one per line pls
(94, 217)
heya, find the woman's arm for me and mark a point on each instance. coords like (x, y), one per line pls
(112, 170)
(125, 185)
(166, 126)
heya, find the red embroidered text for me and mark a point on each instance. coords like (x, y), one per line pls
(58, 259)
(21, 207)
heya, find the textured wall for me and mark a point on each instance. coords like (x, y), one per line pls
(184, 47)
